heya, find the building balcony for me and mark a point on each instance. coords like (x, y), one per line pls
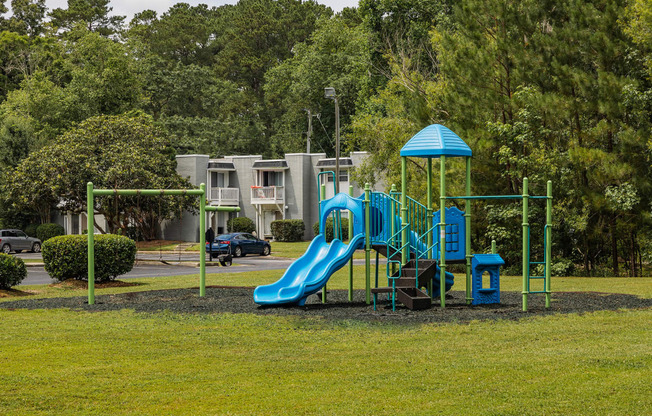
(224, 196)
(267, 194)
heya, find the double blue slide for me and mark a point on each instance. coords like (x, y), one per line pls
(310, 272)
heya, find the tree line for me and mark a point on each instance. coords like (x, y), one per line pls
(540, 89)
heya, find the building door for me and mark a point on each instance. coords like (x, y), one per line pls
(268, 217)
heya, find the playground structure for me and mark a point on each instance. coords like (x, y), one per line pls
(91, 193)
(417, 242)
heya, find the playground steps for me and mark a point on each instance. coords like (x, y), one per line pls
(407, 288)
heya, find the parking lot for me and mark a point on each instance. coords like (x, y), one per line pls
(149, 264)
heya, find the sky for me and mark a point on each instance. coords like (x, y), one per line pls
(129, 7)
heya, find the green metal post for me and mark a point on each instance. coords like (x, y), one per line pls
(429, 216)
(442, 232)
(392, 225)
(429, 201)
(351, 260)
(493, 247)
(91, 242)
(322, 197)
(404, 213)
(548, 241)
(367, 240)
(526, 243)
(467, 225)
(202, 240)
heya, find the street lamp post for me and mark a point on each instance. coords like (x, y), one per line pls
(329, 92)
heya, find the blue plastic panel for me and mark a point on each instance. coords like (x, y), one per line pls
(455, 234)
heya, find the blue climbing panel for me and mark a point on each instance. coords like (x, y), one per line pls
(489, 263)
(455, 235)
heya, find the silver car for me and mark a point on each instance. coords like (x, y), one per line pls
(16, 240)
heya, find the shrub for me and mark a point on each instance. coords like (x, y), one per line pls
(12, 271)
(329, 229)
(45, 232)
(66, 257)
(288, 230)
(241, 225)
(30, 230)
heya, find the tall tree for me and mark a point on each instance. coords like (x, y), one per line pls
(92, 14)
(112, 152)
(28, 17)
(336, 55)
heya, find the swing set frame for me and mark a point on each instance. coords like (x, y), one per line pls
(91, 193)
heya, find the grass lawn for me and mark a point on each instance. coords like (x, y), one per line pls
(122, 362)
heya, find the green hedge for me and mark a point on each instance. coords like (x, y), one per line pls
(66, 257)
(241, 225)
(288, 230)
(329, 228)
(12, 271)
(45, 232)
(30, 230)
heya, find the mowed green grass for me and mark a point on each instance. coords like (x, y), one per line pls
(122, 362)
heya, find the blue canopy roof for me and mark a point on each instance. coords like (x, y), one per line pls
(434, 141)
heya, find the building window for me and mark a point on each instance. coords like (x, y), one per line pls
(217, 180)
(272, 178)
(344, 176)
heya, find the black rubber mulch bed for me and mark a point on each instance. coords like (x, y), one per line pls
(240, 300)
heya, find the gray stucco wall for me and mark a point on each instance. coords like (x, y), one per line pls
(192, 167)
(243, 178)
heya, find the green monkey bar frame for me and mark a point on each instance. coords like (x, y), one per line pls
(91, 193)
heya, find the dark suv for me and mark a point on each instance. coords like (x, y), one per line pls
(16, 240)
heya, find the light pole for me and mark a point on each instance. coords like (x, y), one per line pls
(329, 92)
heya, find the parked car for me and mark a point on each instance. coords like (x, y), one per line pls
(17, 240)
(239, 244)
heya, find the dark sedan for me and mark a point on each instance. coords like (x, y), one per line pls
(239, 244)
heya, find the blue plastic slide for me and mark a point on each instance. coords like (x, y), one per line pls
(309, 273)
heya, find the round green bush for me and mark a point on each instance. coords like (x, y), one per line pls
(45, 232)
(12, 271)
(329, 229)
(241, 225)
(288, 230)
(66, 257)
(30, 230)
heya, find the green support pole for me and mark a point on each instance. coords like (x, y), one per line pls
(404, 234)
(202, 240)
(548, 241)
(322, 197)
(392, 226)
(430, 217)
(493, 247)
(442, 232)
(351, 260)
(91, 242)
(367, 242)
(467, 225)
(526, 260)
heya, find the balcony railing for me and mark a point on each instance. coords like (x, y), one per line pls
(267, 194)
(225, 196)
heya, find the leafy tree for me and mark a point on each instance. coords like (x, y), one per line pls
(28, 17)
(91, 76)
(92, 14)
(113, 152)
(335, 55)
